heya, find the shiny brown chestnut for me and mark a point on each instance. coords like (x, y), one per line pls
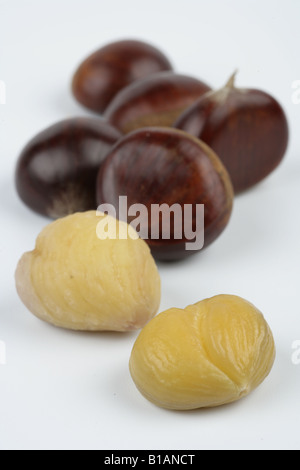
(247, 128)
(156, 166)
(154, 101)
(56, 172)
(103, 74)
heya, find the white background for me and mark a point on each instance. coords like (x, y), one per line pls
(65, 390)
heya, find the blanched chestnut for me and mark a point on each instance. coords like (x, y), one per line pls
(103, 74)
(167, 175)
(211, 353)
(247, 128)
(155, 101)
(79, 279)
(57, 171)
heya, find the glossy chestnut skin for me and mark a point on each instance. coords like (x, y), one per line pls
(246, 128)
(56, 172)
(167, 166)
(155, 101)
(104, 73)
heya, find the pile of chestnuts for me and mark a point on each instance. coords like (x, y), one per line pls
(162, 138)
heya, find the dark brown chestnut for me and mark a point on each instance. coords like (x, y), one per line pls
(103, 74)
(164, 169)
(155, 101)
(247, 128)
(57, 171)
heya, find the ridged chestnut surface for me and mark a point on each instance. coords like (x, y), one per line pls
(79, 278)
(155, 101)
(56, 172)
(209, 354)
(103, 74)
(155, 166)
(247, 128)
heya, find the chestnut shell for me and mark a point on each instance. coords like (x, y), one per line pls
(56, 172)
(104, 73)
(167, 166)
(247, 129)
(155, 101)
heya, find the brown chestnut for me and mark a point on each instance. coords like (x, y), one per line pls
(247, 128)
(164, 169)
(103, 74)
(155, 101)
(57, 171)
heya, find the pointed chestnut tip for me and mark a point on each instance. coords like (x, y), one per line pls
(232, 79)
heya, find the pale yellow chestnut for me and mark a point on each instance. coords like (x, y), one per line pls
(83, 276)
(209, 354)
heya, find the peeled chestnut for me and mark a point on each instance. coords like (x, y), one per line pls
(211, 353)
(247, 128)
(113, 67)
(155, 101)
(80, 279)
(57, 171)
(165, 177)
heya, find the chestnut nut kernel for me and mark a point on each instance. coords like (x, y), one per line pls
(155, 101)
(165, 166)
(103, 74)
(81, 279)
(56, 172)
(208, 354)
(247, 128)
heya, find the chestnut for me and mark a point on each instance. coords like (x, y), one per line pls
(56, 172)
(154, 101)
(247, 128)
(104, 73)
(164, 169)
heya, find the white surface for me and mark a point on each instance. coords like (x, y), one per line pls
(64, 390)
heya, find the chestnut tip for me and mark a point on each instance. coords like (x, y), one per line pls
(231, 81)
(247, 128)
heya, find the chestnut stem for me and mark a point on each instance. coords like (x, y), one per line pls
(231, 81)
(221, 95)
